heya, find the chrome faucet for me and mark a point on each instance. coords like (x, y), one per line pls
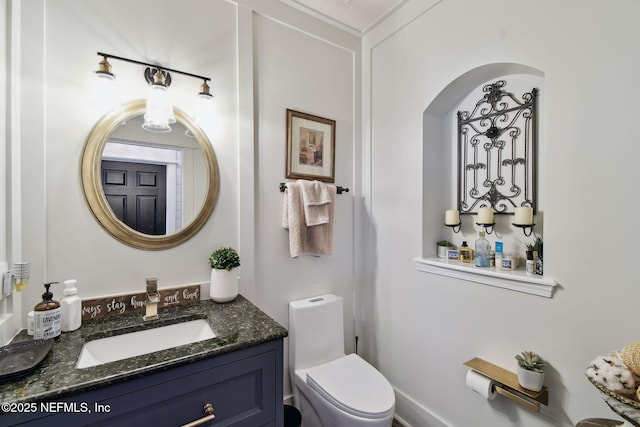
(153, 298)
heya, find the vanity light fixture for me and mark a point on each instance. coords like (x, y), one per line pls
(160, 114)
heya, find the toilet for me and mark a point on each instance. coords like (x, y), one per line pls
(329, 387)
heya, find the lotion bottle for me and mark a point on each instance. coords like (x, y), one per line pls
(71, 307)
(46, 316)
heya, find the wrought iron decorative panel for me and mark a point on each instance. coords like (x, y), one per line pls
(497, 152)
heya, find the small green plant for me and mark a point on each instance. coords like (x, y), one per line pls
(535, 245)
(224, 259)
(444, 243)
(530, 361)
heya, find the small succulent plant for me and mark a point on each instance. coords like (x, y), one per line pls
(535, 245)
(530, 361)
(445, 243)
(224, 259)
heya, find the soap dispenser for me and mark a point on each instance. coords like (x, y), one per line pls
(71, 307)
(46, 316)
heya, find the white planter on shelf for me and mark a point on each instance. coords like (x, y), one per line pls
(530, 380)
(224, 285)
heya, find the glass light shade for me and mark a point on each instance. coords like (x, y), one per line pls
(156, 118)
(106, 96)
(203, 114)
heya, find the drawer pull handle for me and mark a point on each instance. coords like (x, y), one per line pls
(208, 416)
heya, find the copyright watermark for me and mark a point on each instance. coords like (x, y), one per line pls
(54, 407)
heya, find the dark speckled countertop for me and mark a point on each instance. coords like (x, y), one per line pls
(238, 324)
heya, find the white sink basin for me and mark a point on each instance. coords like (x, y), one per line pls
(110, 349)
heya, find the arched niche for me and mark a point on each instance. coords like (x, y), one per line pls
(439, 167)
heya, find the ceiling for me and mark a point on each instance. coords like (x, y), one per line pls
(356, 14)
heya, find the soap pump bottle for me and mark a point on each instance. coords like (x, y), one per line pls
(46, 316)
(71, 307)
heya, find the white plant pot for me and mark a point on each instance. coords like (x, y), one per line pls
(224, 285)
(530, 380)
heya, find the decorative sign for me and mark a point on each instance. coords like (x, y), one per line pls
(114, 306)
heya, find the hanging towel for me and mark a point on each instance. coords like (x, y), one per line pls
(316, 199)
(310, 240)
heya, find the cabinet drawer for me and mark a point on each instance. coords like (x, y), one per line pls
(236, 390)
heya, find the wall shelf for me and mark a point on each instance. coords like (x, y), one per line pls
(506, 383)
(517, 280)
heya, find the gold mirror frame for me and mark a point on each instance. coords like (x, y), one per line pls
(91, 171)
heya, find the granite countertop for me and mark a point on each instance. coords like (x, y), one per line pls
(237, 324)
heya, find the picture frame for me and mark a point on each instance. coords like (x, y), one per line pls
(311, 142)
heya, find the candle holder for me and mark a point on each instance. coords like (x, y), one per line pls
(488, 228)
(525, 227)
(453, 227)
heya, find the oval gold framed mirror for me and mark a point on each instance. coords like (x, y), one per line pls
(184, 202)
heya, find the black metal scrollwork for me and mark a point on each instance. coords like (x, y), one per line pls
(497, 152)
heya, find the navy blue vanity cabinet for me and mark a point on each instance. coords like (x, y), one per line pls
(244, 387)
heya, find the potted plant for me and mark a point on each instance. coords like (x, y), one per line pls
(533, 247)
(530, 370)
(443, 246)
(224, 275)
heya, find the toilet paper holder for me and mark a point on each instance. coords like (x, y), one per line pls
(506, 384)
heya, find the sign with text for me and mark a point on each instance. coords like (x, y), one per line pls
(112, 306)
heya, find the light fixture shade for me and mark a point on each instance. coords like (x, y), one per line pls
(106, 96)
(203, 114)
(156, 118)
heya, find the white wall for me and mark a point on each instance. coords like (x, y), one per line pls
(426, 326)
(297, 71)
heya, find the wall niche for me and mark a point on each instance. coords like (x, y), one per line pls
(440, 172)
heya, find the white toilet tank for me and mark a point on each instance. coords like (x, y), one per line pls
(316, 333)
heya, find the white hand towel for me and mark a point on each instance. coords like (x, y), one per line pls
(316, 198)
(311, 240)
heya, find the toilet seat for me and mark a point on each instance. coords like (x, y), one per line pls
(354, 386)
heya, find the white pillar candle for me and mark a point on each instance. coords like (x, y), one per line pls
(524, 216)
(485, 216)
(452, 217)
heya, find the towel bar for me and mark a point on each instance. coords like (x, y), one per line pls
(339, 189)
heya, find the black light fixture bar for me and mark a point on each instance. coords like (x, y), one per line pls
(156, 66)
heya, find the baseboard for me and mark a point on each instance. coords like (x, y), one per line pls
(411, 413)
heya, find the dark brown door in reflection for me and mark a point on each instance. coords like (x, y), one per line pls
(137, 194)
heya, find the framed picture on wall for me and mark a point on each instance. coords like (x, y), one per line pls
(311, 142)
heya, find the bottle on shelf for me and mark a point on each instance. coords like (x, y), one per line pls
(483, 251)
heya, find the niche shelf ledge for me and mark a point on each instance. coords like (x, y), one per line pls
(506, 383)
(516, 280)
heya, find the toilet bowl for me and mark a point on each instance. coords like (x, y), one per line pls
(329, 387)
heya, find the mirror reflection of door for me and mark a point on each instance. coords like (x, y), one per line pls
(136, 193)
